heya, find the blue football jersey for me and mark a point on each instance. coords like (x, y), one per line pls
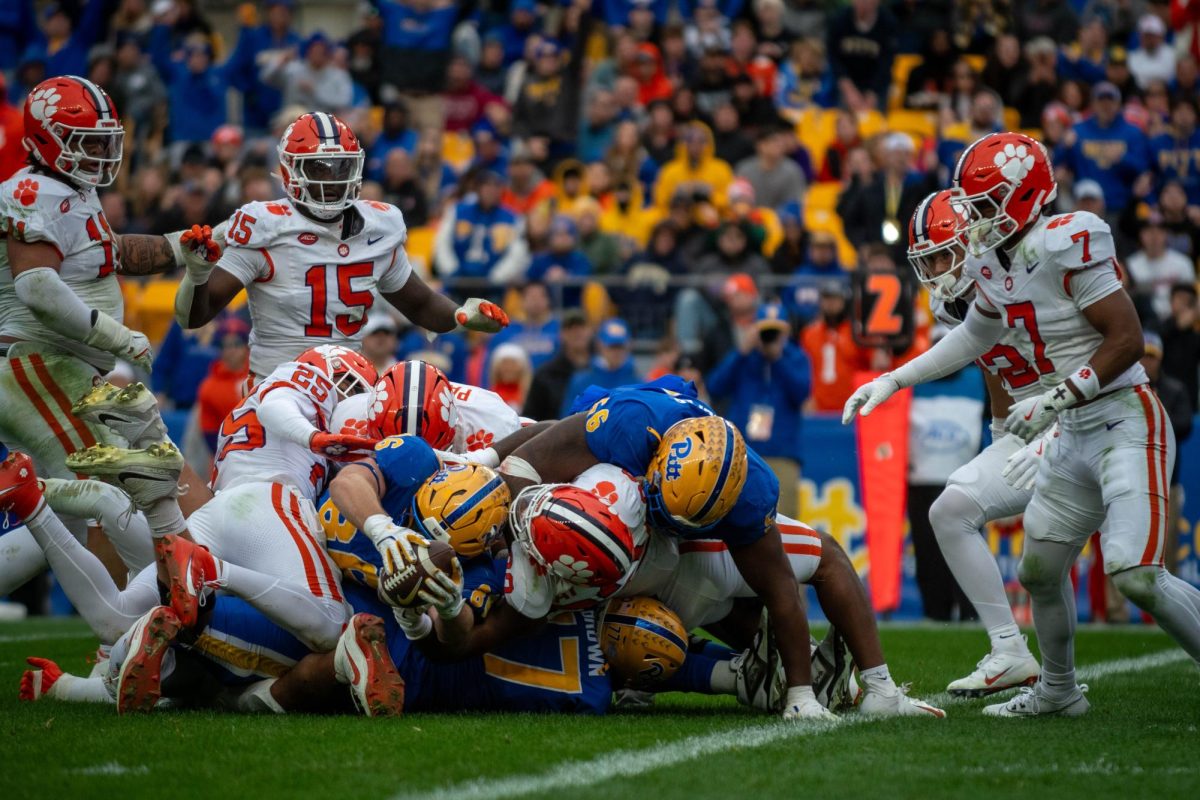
(240, 646)
(625, 428)
(406, 462)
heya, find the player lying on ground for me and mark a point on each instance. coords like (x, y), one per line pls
(1053, 281)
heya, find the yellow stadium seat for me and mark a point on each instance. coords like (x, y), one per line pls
(902, 65)
(1033, 133)
(131, 292)
(815, 130)
(457, 150)
(823, 196)
(596, 302)
(772, 230)
(156, 308)
(828, 221)
(419, 248)
(976, 61)
(513, 305)
(375, 119)
(870, 123)
(918, 124)
(1012, 119)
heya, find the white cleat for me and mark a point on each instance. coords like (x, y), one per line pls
(833, 672)
(361, 660)
(131, 413)
(997, 671)
(145, 475)
(758, 672)
(1034, 702)
(897, 704)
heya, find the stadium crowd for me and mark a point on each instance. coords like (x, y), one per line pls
(649, 186)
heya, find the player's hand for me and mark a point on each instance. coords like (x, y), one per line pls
(1029, 417)
(138, 351)
(399, 552)
(443, 591)
(868, 396)
(801, 704)
(1021, 470)
(341, 447)
(478, 314)
(415, 623)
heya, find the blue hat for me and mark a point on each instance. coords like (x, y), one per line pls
(790, 212)
(772, 315)
(564, 224)
(613, 333)
(317, 38)
(523, 5)
(548, 47)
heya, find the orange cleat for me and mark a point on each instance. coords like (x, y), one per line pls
(361, 659)
(139, 679)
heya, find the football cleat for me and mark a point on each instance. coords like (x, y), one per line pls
(131, 413)
(897, 703)
(139, 678)
(20, 492)
(145, 475)
(361, 659)
(1032, 701)
(758, 672)
(191, 570)
(37, 682)
(997, 671)
(832, 672)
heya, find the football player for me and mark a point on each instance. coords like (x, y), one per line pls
(1053, 280)
(61, 306)
(977, 492)
(313, 263)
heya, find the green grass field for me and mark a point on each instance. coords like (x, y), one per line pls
(1139, 741)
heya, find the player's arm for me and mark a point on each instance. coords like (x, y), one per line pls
(1114, 318)
(999, 399)
(557, 454)
(285, 413)
(436, 312)
(502, 624)
(38, 285)
(197, 305)
(767, 572)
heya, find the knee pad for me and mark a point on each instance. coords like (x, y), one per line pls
(1037, 576)
(1139, 584)
(955, 513)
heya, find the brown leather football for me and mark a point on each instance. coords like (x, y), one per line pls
(400, 588)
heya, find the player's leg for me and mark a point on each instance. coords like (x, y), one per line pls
(1134, 467)
(112, 509)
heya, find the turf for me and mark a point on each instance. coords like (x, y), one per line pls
(1137, 742)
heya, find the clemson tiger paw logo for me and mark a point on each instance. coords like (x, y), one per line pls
(279, 209)
(480, 440)
(26, 192)
(446, 401)
(379, 398)
(43, 103)
(1014, 161)
(607, 492)
(571, 569)
(355, 427)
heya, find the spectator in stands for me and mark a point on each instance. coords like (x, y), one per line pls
(1107, 149)
(764, 383)
(931, 81)
(602, 249)
(536, 329)
(1153, 59)
(1083, 60)
(626, 217)
(189, 207)
(1041, 83)
(490, 151)
(401, 188)
(257, 44)
(18, 26)
(12, 129)
(1053, 18)
(563, 266)
(829, 343)
(1005, 72)
(509, 375)
(805, 79)
(1116, 72)
(1187, 78)
(396, 134)
(731, 143)
(527, 187)
(309, 76)
(879, 211)
(1155, 268)
(181, 363)
(381, 340)
(362, 53)
(223, 387)
(598, 126)
(708, 321)
(1176, 153)
(464, 101)
(196, 92)
(986, 116)
(708, 29)
(793, 246)
(548, 101)
(696, 166)
(435, 175)
(550, 380)
(734, 251)
(492, 72)
(1181, 220)
(776, 180)
(611, 367)
(647, 296)
(861, 46)
(1089, 196)
(416, 50)
(63, 45)
(480, 240)
(138, 91)
(1181, 339)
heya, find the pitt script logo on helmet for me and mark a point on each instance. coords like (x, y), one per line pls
(1001, 184)
(464, 505)
(697, 472)
(937, 249)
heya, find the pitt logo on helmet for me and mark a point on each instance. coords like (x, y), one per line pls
(463, 505)
(643, 641)
(697, 472)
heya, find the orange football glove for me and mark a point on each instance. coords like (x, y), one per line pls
(341, 447)
(199, 239)
(481, 315)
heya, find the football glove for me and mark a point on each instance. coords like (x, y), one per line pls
(801, 703)
(1033, 415)
(443, 591)
(399, 552)
(341, 447)
(868, 396)
(1021, 470)
(481, 315)
(415, 623)
(111, 336)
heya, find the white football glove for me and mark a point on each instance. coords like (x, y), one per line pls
(111, 336)
(868, 396)
(1031, 416)
(801, 704)
(415, 623)
(443, 591)
(1021, 471)
(399, 552)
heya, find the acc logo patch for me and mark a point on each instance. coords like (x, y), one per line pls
(678, 450)
(307, 238)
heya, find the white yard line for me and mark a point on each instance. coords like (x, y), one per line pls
(111, 768)
(626, 763)
(41, 637)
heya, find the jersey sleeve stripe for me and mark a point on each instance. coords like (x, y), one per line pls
(310, 569)
(56, 392)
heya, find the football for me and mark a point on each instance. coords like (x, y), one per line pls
(399, 588)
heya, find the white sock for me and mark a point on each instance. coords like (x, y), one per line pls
(724, 678)
(1045, 572)
(877, 679)
(114, 512)
(165, 518)
(316, 621)
(1008, 639)
(75, 689)
(257, 699)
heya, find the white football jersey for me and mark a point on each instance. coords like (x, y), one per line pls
(37, 207)
(248, 452)
(535, 595)
(1004, 360)
(307, 285)
(483, 418)
(1062, 266)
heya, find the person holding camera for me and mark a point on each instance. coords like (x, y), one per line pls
(763, 385)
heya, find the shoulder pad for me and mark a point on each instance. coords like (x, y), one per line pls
(32, 205)
(383, 218)
(1078, 239)
(260, 224)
